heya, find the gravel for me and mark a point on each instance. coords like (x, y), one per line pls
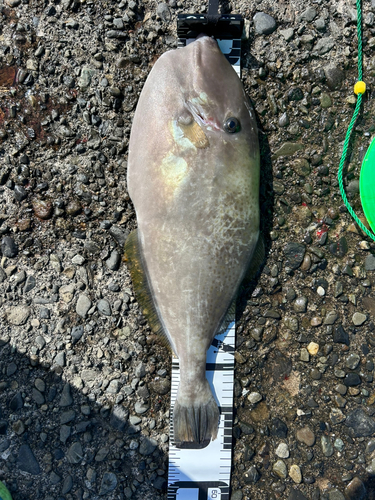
(84, 384)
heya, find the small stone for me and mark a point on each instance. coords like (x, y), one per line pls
(341, 336)
(147, 446)
(67, 485)
(104, 307)
(43, 209)
(294, 253)
(27, 461)
(306, 436)
(304, 355)
(254, 397)
(313, 348)
(295, 473)
(355, 490)
(73, 208)
(336, 416)
(296, 495)
(320, 291)
(352, 379)
(324, 45)
(83, 305)
(76, 333)
(30, 284)
(78, 260)
(74, 454)
(325, 100)
(66, 396)
(282, 450)
(370, 263)
(264, 24)
(251, 476)
(9, 247)
(352, 361)
(59, 359)
(18, 315)
(300, 304)
(327, 447)
(359, 318)
(280, 469)
(361, 424)
(339, 444)
(113, 263)
(335, 495)
(108, 484)
(141, 408)
(330, 318)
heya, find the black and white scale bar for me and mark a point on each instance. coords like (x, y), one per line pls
(204, 474)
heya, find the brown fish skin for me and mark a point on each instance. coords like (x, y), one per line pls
(195, 188)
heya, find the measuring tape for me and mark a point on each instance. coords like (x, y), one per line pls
(204, 473)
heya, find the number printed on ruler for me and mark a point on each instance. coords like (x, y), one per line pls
(214, 494)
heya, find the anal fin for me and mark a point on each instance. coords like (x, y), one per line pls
(133, 259)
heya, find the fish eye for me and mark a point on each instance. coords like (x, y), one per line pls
(232, 125)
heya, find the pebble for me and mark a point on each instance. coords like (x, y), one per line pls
(352, 379)
(9, 247)
(341, 336)
(335, 495)
(282, 450)
(18, 315)
(254, 397)
(330, 318)
(83, 305)
(362, 425)
(113, 263)
(296, 495)
(327, 447)
(300, 304)
(141, 408)
(355, 490)
(74, 454)
(370, 263)
(251, 476)
(336, 416)
(104, 307)
(359, 318)
(295, 473)
(147, 446)
(352, 361)
(280, 469)
(313, 348)
(26, 460)
(108, 484)
(264, 24)
(294, 254)
(306, 436)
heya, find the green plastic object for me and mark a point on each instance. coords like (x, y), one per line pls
(367, 185)
(4, 492)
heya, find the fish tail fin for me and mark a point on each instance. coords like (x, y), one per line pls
(195, 418)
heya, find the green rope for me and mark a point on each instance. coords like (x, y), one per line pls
(351, 125)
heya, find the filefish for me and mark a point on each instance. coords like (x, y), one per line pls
(193, 177)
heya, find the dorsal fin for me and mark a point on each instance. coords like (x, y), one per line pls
(133, 259)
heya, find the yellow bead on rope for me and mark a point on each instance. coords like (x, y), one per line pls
(360, 88)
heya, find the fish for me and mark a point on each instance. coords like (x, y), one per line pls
(193, 177)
